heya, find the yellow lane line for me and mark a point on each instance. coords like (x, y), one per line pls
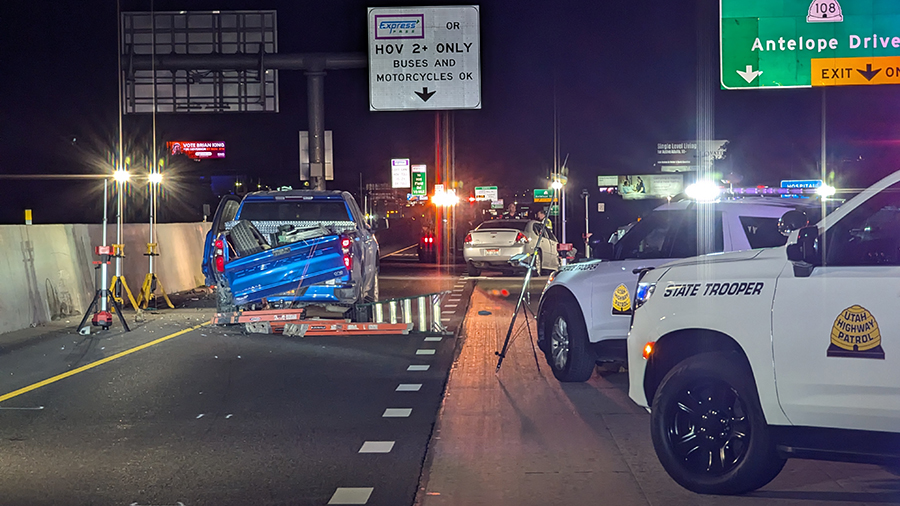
(102, 361)
(399, 251)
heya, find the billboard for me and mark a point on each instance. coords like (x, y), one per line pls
(650, 186)
(197, 150)
(688, 155)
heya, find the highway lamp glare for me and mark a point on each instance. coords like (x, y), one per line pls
(155, 177)
(826, 191)
(121, 175)
(703, 191)
(556, 185)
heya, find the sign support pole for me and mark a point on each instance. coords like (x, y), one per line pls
(315, 93)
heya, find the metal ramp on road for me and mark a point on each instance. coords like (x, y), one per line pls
(403, 315)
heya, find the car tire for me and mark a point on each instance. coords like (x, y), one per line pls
(224, 301)
(246, 239)
(538, 263)
(472, 270)
(708, 428)
(567, 352)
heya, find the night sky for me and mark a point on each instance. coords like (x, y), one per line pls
(624, 76)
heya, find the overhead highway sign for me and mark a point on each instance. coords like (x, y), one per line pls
(424, 58)
(804, 43)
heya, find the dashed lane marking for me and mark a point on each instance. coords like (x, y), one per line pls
(408, 387)
(351, 495)
(377, 447)
(397, 413)
(424, 352)
(433, 339)
(418, 368)
(92, 365)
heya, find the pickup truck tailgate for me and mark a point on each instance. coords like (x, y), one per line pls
(285, 268)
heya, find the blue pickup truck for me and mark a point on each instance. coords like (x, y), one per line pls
(288, 249)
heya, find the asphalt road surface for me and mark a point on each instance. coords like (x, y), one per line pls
(208, 415)
(181, 412)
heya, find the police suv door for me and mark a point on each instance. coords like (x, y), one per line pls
(836, 333)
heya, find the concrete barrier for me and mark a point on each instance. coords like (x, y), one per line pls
(47, 271)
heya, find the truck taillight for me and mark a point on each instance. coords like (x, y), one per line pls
(345, 250)
(468, 238)
(520, 238)
(220, 255)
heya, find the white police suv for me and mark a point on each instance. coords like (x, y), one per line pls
(748, 358)
(585, 308)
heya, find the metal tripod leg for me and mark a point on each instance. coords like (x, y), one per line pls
(90, 310)
(119, 311)
(502, 353)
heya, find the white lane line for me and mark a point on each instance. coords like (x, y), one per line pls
(377, 447)
(448, 306)
(408, 387)
(351, 495)
(397, 413)
(445, 319)
(424, 352)
(433, 339)
(418, 368)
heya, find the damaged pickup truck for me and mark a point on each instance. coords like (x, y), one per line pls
(289, 249)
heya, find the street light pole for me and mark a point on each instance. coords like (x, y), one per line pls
(587, 224)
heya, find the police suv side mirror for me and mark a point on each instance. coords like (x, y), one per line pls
(804, 253)
(792, 220)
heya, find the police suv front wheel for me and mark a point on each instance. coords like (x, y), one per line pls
(567, 350)
(708, 428)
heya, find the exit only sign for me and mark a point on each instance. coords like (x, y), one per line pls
(804, 43)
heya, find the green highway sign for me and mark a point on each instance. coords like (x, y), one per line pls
(419, 182)
(554, 210)
(543, 195)
(804, 43)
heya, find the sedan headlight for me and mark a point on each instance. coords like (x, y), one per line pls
(643, 293)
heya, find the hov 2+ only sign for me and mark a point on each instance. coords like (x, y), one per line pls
(424, 58)
(804, 43)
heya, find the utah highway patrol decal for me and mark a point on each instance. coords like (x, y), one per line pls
(621, 302)
(855, 334)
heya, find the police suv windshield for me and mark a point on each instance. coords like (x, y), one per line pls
(667, 234)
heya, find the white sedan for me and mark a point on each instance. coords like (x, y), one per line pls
(493, 243)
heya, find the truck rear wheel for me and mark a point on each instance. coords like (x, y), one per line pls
(224, 302)
(472, 270)
(567, 350)
(708, 428)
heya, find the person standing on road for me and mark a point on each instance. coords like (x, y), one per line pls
(543, 219)
(510, 211)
